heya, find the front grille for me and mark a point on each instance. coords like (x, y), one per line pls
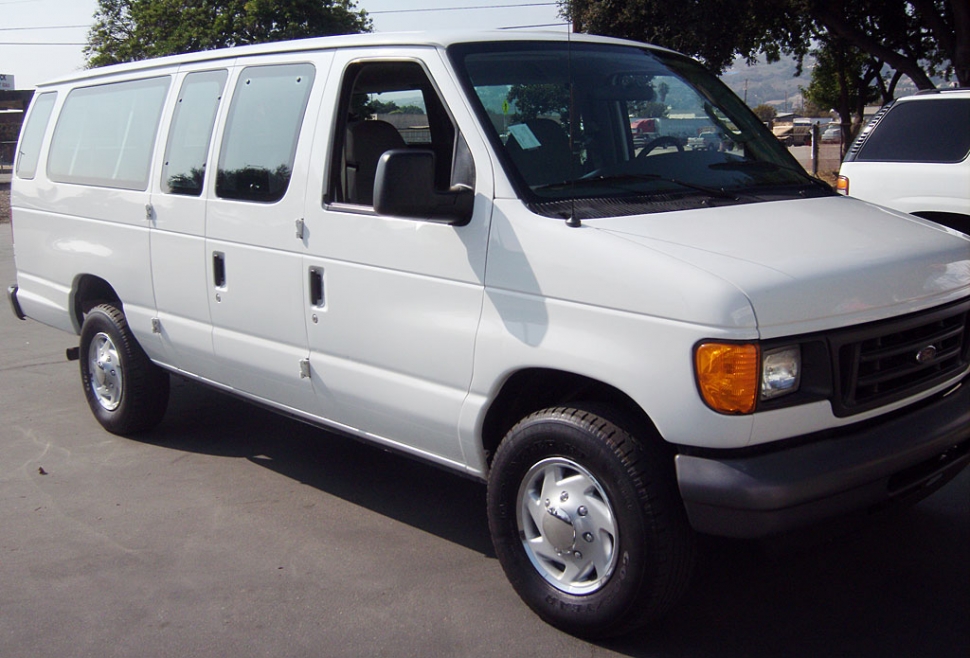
(888, 361)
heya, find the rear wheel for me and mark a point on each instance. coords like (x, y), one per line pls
(127, 393)
(587, 523)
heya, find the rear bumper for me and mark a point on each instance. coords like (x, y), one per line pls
(900, 459)
(14, 304)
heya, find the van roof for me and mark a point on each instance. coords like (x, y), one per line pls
(433, 39)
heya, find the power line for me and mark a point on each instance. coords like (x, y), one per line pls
(40, 43)
(528, 27)
(50, 27)
(384, 11)
(411, 11)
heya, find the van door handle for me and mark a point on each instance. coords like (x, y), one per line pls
(219, 269)
(316, 287)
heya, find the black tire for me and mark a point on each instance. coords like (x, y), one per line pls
(127, 393)
(641, 555)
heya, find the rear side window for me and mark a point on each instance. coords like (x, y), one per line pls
(259, 145)
(188, 139)
(105, 135)
(935, 130)
(33, 135)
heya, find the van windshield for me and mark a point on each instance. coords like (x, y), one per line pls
(596, 130)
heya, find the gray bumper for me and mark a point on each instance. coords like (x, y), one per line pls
(905, 457)
(14, 304)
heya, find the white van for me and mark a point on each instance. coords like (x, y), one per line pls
(452, 246)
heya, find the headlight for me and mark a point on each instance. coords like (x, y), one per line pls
(781, 370)
(732, 377)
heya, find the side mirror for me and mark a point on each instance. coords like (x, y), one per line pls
(404, 187)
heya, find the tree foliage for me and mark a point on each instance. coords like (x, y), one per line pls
(649, 109)
(715, 31)
(765, 112)
(129, 30)
(532, 101)
(918, 38)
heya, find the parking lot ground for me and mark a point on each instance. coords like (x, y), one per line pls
(232, 531)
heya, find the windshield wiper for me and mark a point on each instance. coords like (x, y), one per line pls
(764, 165)
(621, 178)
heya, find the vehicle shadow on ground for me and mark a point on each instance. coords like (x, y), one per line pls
(898, 585)
(894, 585)
(432, 499)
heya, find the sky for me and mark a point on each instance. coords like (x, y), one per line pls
(43, 39)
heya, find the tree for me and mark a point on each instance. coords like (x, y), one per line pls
(846, 79)
(532, 101)
(715, 31)
(128, 30)
(919, 38)
(765, 112)
(649, 109)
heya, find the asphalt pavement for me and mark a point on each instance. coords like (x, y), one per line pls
(230, 531)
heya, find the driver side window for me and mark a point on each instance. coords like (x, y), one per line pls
(386, 106)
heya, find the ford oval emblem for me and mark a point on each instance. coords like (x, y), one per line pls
(926, 354)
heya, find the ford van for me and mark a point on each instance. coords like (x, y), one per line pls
(453, 246)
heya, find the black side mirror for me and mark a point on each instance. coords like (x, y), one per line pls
(404, 187)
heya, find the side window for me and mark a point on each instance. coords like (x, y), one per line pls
(105, 135)
(913, 132)
(262, 130)
(385, 106)
(33, 135)
(191, 131)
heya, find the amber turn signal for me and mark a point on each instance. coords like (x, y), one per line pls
(728, 376)
(842, 185)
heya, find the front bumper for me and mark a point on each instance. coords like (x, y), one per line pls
(905, 457)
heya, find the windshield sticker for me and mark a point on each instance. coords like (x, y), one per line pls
(524, 136)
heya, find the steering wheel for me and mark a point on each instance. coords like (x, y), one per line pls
(663, 140)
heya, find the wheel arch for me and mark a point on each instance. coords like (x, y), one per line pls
(954, 220)
(530, 390)
(87, 292)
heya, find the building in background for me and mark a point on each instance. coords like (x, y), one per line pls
(13, 107)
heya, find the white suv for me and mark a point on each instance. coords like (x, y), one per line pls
(913, 157)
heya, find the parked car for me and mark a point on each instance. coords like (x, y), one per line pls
(709, 140)
(793, 134)
(630, 346)
(913, 156)
(832, 133)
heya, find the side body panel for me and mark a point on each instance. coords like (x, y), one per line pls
(178, 255)
(912, 187)
(391, 347)
(67, 230)
(256, 301)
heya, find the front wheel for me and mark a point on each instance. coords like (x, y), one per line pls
(586, 522)
(127, 393)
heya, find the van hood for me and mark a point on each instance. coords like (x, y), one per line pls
(813, 264)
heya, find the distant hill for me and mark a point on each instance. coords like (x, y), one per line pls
(773, 84)
(776, 84)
